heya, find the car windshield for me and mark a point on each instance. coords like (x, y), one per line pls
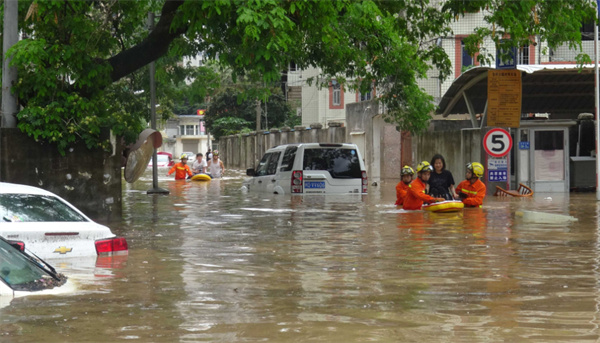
(340, 163)
(161, 158)
(36, 208)
(22, 274)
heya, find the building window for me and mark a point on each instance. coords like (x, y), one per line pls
(293, 66)
(467, 60)
(336, 95)
(587, 31)
(462, 60)
(523, 55)
(365, 96)
(189, 130)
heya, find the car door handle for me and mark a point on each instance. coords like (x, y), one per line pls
(259, 181)
(273, 180)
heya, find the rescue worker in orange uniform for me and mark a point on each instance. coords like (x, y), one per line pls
(416, 196)
(472, 190)
(402, 186)
(181, 169)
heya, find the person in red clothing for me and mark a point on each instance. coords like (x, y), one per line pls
(472, 190)
(402, 186)
(181, 169)
(416, 196)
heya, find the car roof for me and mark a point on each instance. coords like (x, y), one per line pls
(14, 188)
(315, 145)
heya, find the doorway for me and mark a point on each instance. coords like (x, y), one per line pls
(548, 159)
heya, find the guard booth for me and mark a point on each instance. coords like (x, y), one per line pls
(541, 155)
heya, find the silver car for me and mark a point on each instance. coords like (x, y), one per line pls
(310, 168)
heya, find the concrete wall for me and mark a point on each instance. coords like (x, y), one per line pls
(359, 119)
(449, 125)
(446, 143)
(378, 141)
(390, 152)
(89, 179)
(244, 151)
(458, 148)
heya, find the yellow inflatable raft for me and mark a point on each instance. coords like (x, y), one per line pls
(445, 206)
(200, 177)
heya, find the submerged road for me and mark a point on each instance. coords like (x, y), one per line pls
(208, 263)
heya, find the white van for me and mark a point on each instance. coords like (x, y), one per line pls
(309, 168)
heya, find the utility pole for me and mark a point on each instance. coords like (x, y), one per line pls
(258, 152)
(258, 110)
(155, 189)
(8, 110)
(597, 100)
(9, 74)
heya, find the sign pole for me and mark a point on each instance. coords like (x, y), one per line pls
(497, 144)
(155, 189)
(597, 98)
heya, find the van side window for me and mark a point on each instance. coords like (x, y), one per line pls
(288, 158)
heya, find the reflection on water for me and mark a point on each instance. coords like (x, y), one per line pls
(208, 263)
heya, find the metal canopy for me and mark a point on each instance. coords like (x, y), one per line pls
(564, 91)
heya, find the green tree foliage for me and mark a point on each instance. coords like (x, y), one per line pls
(81, 64)
(232, 111)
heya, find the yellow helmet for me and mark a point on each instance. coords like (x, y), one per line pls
(476, 168)
(183, 156)
(424, 167)
(407, 170)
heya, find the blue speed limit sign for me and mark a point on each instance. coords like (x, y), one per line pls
(497, 142)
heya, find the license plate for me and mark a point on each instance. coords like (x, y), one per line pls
(314, 184)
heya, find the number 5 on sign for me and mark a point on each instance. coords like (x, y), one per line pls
(497, 142)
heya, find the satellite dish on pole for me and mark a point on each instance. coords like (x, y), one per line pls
(141, 153)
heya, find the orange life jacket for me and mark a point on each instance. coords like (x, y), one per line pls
(416, 196)
(401, 190)
(472, 194)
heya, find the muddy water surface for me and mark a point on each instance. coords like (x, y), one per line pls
(210, 264)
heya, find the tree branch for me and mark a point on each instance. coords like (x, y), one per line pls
(153, 47)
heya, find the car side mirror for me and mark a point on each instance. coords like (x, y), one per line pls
(250, 172)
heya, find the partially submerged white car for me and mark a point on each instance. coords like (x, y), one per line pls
(309, 168)
(21, 275)
(49, 227)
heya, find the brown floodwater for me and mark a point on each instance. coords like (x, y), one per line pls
(208, 263)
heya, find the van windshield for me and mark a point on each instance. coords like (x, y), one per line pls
(339, 162)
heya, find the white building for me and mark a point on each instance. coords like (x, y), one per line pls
(328, 104)
(184, 134)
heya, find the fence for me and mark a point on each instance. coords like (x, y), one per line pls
(245, 150)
